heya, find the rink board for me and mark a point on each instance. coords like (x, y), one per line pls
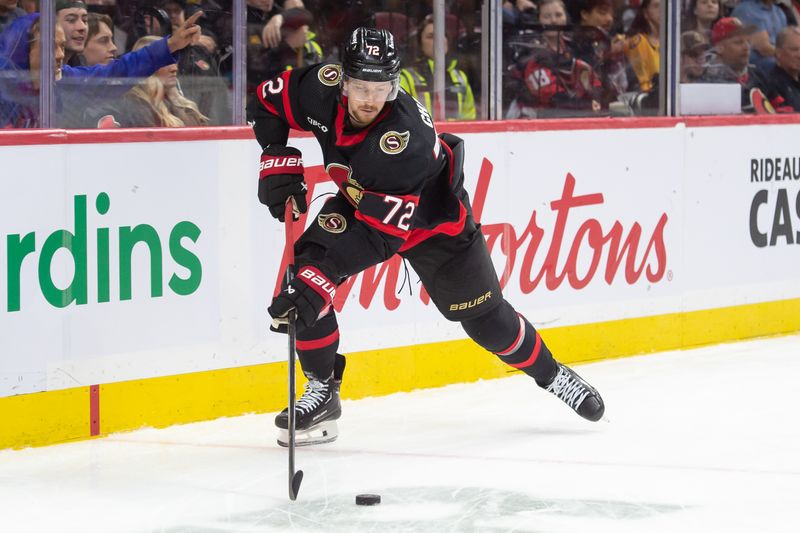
(137, 269)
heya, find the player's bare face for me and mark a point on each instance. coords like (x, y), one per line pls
(365, 99)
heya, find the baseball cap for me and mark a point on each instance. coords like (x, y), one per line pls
(693, 41)
(728, 27)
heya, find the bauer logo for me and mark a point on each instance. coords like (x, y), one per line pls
(393, 142)
(330, 75)
(32, 255)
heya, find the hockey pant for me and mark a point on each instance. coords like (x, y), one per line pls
(459, 276)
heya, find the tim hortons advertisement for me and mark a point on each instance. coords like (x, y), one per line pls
(576, 235)
(165, 264)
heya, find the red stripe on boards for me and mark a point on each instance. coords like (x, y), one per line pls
(94, 410)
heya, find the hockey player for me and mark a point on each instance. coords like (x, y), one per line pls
(400, 192)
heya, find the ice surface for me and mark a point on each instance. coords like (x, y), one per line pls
(698, 441)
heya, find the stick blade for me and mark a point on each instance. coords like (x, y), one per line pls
(294, 486)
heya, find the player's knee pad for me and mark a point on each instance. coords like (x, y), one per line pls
(466, 286)
(494, 330)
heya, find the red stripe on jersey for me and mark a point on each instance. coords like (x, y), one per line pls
(380, 226)
(534, 354)
(318, 343)
(447, 228)
(267, 105)
(287, 105)
(344, 139)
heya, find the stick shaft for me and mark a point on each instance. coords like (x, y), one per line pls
(292, 334)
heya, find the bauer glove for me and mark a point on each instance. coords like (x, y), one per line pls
(280, 178)
(310, 293)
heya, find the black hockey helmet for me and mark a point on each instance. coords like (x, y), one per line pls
(371, 55)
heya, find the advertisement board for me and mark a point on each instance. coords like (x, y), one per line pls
(126, 261)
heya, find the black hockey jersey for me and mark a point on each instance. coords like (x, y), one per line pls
(396, 173)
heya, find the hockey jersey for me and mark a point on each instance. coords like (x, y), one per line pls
(399, 177)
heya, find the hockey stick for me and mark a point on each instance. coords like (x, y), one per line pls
(295, 477)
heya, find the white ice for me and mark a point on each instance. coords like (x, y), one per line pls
(705, 440)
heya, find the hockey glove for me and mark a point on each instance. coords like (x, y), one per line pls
(280, 178)
(310, 293)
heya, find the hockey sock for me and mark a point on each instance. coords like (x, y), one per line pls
(514, 340)
(530, 354)
(316, 347)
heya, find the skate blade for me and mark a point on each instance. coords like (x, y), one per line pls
(319, 434)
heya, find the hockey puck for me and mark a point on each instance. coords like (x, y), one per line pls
(368, 499)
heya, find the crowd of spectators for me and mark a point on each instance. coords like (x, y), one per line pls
(170, 62)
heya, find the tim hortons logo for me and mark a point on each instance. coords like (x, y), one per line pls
(536, 257)
(278, 162)
(330, 75)
(393, 142)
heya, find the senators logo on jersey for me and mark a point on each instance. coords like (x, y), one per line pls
(393, 142)
(330, 75)
(354, 191)
(333, 222)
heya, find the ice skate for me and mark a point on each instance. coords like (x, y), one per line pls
(570, 388)
(316, 414)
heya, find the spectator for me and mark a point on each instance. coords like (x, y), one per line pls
(72, 15)
(22, 36)
(554, 82)
(20, 49)
(769, 20)
(694, 47)
(642, 47)
(593, 44)
(271, 34)
(553, 19)
(783, 86)
(259, 13)
(701, 16)
(729, 62)
(156, 101)
(417, 80)
(297, 47)
(518, 13)
(100, 48)
(9, 11)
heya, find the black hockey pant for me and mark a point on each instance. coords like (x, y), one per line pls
(459, 276)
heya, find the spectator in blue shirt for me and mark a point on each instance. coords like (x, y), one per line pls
(20, 91)
(769, 20)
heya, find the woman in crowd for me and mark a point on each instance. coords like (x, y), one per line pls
(417, 80)
(700, 16)
(156, 101)
(642, 47)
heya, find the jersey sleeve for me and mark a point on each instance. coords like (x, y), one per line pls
(276, 104)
